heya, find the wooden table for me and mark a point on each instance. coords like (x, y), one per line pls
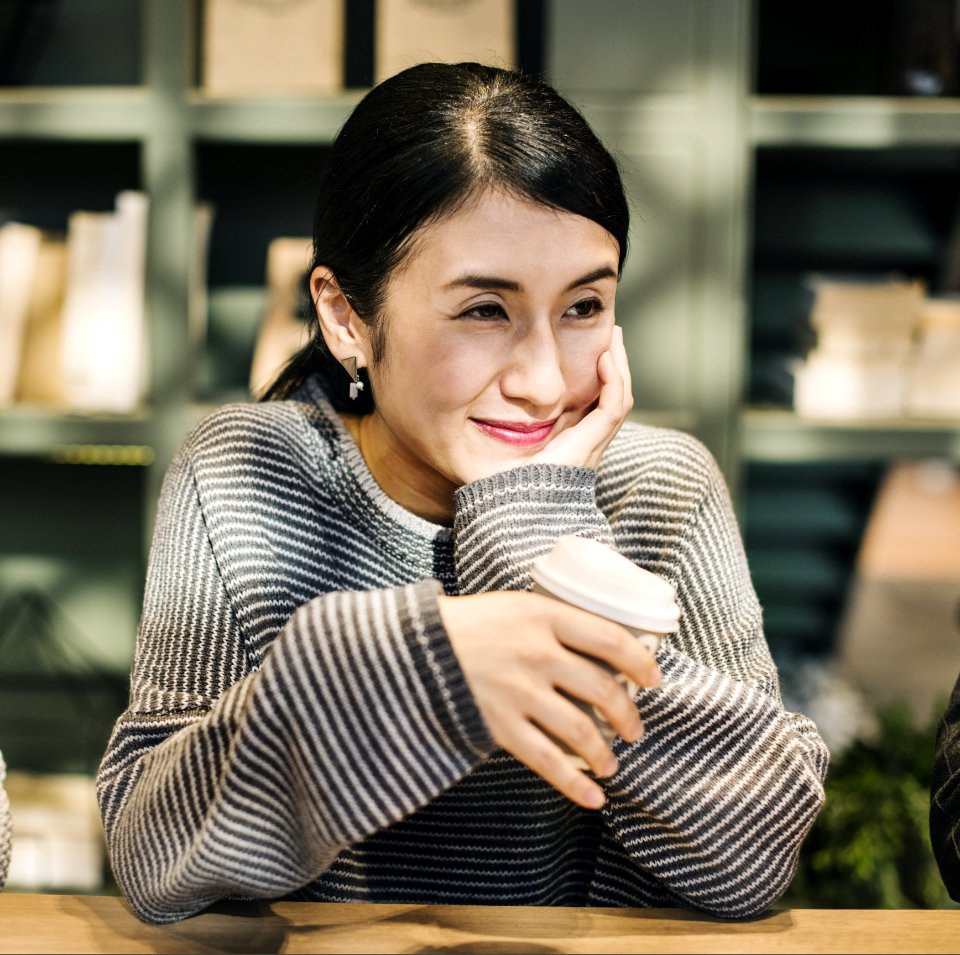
(77, 923)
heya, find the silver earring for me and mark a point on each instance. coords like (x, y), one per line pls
(356, 385)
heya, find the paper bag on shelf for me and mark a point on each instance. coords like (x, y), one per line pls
(19, 248)
(446, 31)
(40, 378)
(253, 47)
(103, 352)
(900, 633)
(284, 331)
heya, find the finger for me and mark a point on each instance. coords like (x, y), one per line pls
(535, 749)
(586, 679)
(598, 637)
(576, 728)
(616, 396)
(618, 352)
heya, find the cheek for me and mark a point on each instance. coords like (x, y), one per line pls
(445, 377)
(580, 361)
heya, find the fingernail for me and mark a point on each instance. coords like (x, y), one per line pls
(610, 766)
(633, 734)
(596, 799)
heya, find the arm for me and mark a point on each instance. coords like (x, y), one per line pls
(717, 797)
(945, 796)
(223, 780)
(6, 827)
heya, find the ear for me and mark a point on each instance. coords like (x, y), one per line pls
(345, 333)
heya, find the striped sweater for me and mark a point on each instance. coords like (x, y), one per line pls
(6, 827)
(299, 725)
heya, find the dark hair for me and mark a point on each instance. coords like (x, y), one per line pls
(414, 149)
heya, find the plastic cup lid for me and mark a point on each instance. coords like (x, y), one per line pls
(600, 579)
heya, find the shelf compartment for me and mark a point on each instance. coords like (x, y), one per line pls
(774, 435)
(83, 114)
(304, 119)
(76, 439)
(856, 121)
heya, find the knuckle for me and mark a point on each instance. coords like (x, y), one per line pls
(582, 732)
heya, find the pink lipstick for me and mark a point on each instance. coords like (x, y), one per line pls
(520, 433)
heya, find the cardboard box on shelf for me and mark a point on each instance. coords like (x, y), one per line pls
(257, 48)
(447, 31)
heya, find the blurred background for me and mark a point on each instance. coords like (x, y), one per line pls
(790, 297)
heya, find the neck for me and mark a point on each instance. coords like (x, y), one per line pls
(401, 477)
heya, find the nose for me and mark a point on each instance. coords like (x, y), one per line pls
(534, 371)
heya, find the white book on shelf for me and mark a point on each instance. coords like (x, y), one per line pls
(19, 248)
(103, 353)
(452, 31)
(257, 48)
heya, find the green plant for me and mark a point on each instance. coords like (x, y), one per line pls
(870, 846)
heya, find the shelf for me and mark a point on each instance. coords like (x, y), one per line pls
(76, 439)
(102, 113)
(864, 121)
(780, 436)
(304, 119)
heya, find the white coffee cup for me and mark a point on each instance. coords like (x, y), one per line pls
(590, 575)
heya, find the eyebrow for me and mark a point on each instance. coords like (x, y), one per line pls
(508, 285)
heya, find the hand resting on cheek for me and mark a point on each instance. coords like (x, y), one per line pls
(583, 444)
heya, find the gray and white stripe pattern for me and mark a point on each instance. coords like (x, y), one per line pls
(299, 726)
(6, 827)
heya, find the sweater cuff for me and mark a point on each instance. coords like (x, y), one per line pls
(440, 672)
(549, 483)
(505, 522)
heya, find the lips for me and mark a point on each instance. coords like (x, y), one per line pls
(518, 433)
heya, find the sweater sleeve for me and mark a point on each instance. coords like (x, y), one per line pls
(6, 827)
(503, 523)
(945, 796)
(716, 798)
(223, 779)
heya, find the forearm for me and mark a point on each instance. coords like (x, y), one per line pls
(505, 522)
(717, 797)
(358, 717)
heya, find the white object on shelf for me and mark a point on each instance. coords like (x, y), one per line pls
(103, 353)
(447, 31)
(19, 248)
(57, 833)
(265, 47)
(835, 387)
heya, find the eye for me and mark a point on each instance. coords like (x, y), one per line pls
(485, 312)
(586, 309)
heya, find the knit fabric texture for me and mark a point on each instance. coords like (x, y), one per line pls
(945, 795)
(299, 726)
(6, 827)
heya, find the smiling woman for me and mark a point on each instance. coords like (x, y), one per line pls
(345, 687)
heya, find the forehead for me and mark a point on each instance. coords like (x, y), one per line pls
(509, 235)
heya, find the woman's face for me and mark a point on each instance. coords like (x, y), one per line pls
(493, 329)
